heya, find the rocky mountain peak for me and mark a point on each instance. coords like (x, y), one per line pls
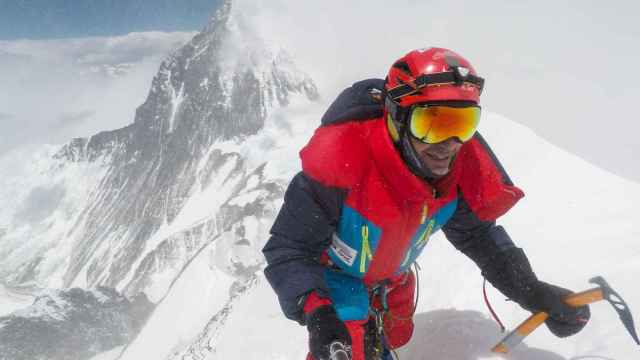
(220, 86)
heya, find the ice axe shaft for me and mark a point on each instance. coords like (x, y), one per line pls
(603, 292)
(516, 336)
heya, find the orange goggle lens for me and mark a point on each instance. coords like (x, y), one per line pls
(434, 124)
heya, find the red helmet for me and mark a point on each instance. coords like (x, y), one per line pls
(433, 74)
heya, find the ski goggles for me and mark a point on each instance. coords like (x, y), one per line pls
(432, 124)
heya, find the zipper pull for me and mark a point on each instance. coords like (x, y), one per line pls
(425, 213)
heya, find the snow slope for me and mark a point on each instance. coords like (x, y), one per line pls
(575, 222)
(201, 262)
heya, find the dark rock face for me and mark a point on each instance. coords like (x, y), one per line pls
(73, 324)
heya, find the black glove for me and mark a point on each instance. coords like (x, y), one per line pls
(564, 320)
(325, 328)
(509, 271)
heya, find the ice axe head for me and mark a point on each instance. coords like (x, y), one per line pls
(602, 292)
(618, 304)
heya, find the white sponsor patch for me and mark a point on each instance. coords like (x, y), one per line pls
(343, 251)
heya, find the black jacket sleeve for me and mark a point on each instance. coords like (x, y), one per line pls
(507, 268)
(300, 234)
(503, 264)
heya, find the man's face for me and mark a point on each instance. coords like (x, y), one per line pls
(437, 157)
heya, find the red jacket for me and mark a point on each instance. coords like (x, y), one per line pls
(389, 213)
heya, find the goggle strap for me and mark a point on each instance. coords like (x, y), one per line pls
(443, 78)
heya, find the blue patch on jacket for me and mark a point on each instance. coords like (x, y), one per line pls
(348, 294)
(354, 242)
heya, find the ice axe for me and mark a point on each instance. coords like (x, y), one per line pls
(602, 292)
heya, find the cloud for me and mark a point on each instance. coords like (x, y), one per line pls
(66, 120)
(132, 48)
(39, 204)
(55, 90)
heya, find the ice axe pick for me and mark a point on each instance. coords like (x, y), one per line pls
(602, 292)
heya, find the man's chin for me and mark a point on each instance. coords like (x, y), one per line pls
(440, 172)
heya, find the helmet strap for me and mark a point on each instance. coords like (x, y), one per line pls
(396, 117)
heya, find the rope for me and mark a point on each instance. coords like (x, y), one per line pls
(486, 301)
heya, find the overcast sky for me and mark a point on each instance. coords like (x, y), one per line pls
(565, 69)
(568, 70)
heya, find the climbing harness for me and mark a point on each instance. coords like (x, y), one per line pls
(380, 291)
